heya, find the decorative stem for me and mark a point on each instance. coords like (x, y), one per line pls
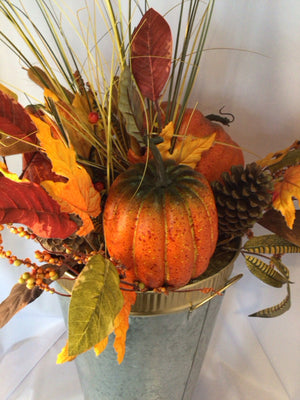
(162, 179)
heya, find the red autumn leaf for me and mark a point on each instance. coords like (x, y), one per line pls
(29, 204)
(38, 168)
(17, 127)
(151, 54)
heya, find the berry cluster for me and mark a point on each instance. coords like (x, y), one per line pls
(38, 277)
(41, 276)
(20, 230)
(44, 256)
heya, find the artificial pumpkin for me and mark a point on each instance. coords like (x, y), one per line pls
(222, 155)
(166, 231)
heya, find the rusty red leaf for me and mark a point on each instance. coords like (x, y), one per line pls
(29, 204)
(38, 168)
(151, 54)
(17, 126)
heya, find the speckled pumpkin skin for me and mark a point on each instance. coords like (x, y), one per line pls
(166, 234)
(222, 155)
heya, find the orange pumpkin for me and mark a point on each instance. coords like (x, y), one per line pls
(166, 233)
(220, 157)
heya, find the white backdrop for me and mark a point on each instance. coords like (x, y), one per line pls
(252, 67)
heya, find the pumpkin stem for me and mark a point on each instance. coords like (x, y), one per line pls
(162, 178)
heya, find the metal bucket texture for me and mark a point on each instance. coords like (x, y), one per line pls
(165, 347)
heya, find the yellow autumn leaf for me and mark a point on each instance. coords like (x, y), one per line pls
(274, 158)
(10, 175)
(49, 94)
(187, 150)
(78, 195)
(285, 191)
(63, 356)
(74, 118)
(101, 346)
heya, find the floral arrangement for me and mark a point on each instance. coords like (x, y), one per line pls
(125, 185)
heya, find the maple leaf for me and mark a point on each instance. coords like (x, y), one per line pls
(17, 131)
(78, 195)
(37, 168)
(284, 192)
(121, 323)
(74, 118)
(187, 150)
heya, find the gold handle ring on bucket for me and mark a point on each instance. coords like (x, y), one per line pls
(217, 293)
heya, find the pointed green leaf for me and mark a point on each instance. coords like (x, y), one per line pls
(277, 310)
(270, 244)
(264, 272)
(291, 158)
(130, 105)
(96, 300)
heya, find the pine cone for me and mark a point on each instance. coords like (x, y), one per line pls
(242, 198)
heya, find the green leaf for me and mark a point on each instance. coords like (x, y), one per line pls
(264, 272)
(277, 310)
(270, 244)
(96, 300)
(291, 158)
(130, 105)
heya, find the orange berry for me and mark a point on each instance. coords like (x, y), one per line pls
(39, 281)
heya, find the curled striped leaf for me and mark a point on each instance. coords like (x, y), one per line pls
(277, 310)
(265, 272)
(281, 267)
(270, 244)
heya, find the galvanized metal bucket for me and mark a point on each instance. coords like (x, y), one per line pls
(165, 347)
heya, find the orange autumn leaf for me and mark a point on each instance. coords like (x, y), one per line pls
(188, 149)
(101, 346)
(285, 191)
(63, 356)
(78, 195)
(121, 323)
(74, 118)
